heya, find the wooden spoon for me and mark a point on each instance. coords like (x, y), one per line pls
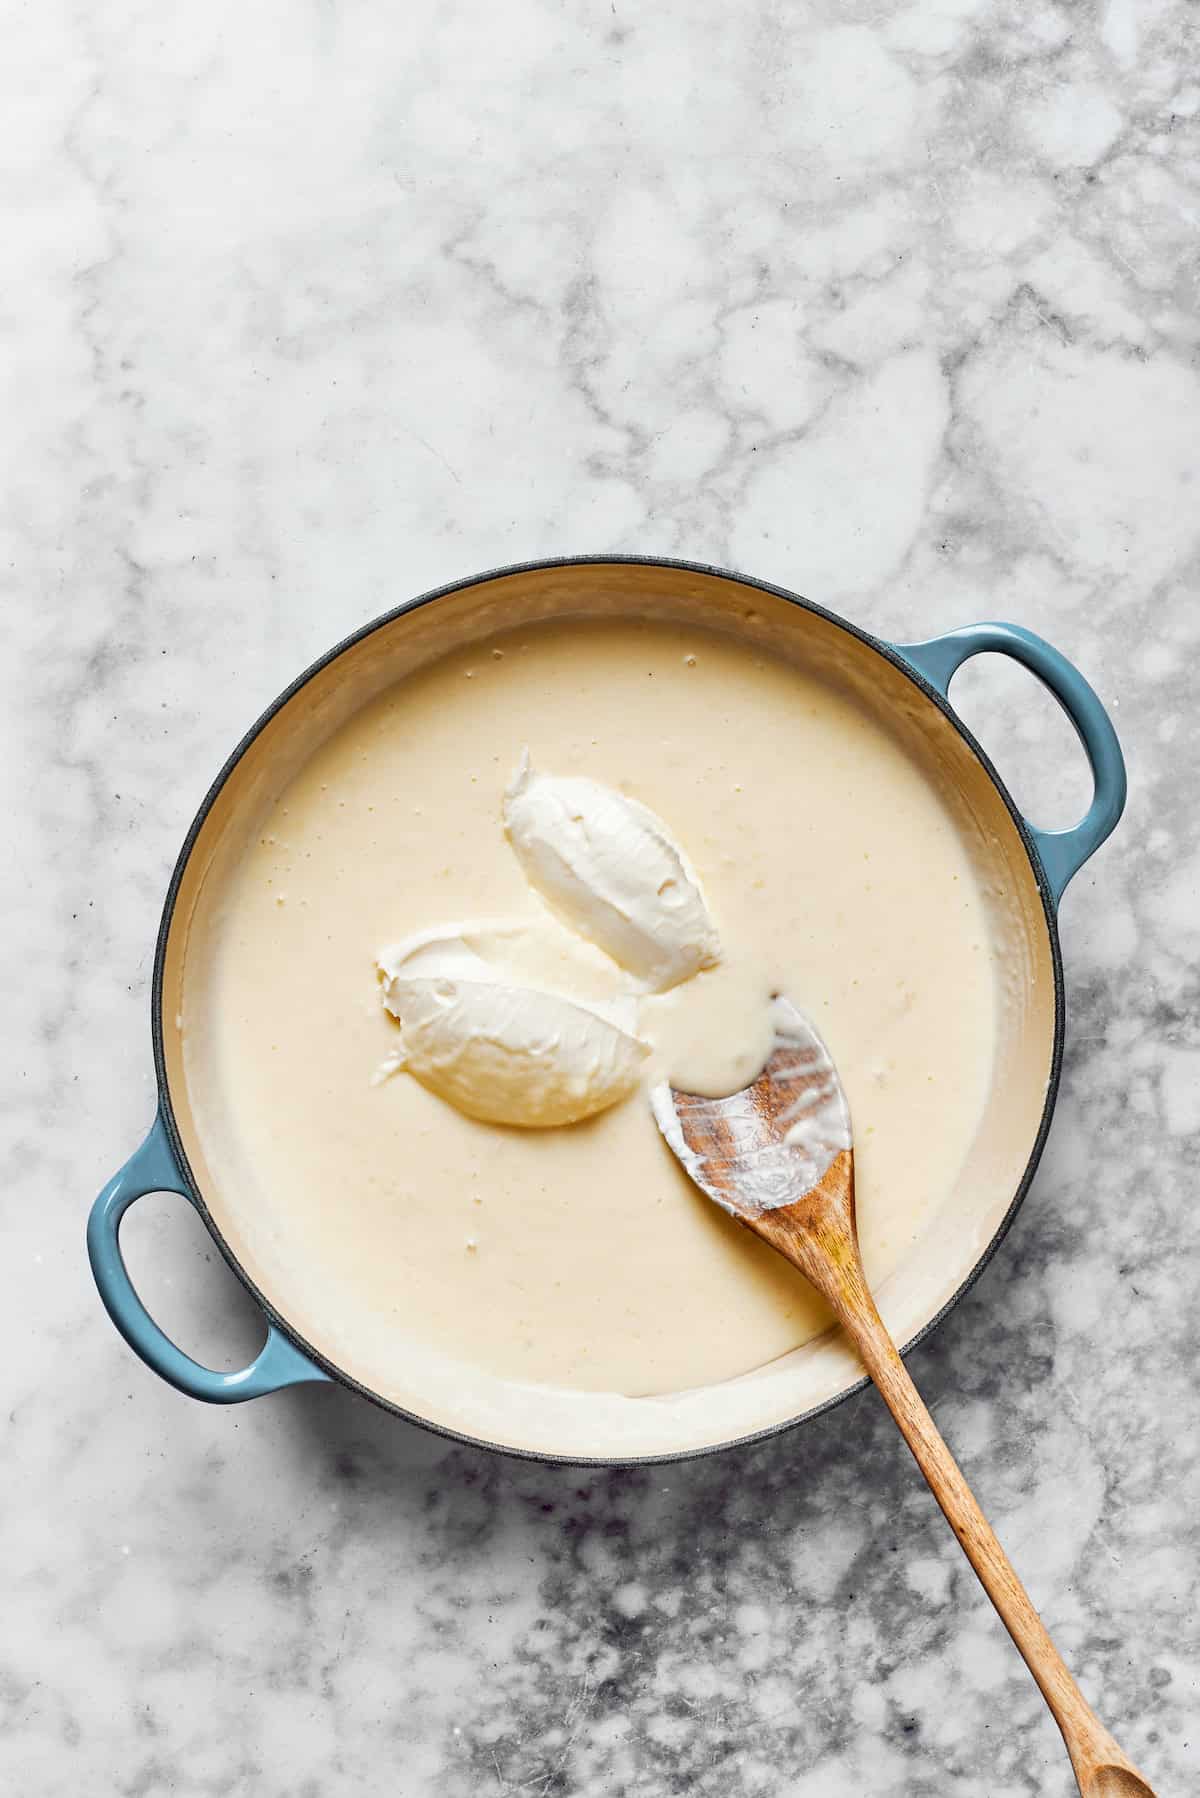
(778, 1157)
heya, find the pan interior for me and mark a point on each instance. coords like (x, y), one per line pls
(365, 1299)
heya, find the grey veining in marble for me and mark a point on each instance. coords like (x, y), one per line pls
(309, 308)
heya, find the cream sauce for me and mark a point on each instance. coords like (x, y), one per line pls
(582, 1256)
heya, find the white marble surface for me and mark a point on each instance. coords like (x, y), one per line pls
(308, 308)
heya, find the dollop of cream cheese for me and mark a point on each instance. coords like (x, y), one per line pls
(480, 1035)
(611, 871)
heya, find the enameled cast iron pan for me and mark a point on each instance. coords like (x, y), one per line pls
(1024, 869)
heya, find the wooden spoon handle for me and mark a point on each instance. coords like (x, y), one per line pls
(821, 1242)
(1101, 1768)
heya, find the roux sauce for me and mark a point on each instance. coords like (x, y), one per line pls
(583, 1257)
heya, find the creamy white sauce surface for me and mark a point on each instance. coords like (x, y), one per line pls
(582, 1256)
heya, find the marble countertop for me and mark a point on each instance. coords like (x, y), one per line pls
(309, 309)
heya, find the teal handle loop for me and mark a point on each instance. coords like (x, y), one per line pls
(153, 1168)
(1062, 852)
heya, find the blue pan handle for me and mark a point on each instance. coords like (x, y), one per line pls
(153, 1168)
(1062, 852)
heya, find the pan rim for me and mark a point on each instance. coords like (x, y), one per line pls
(890, 654)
